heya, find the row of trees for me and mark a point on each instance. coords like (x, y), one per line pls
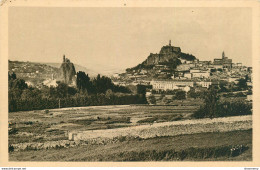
(88, 92)
(74, 101)
(100, 84)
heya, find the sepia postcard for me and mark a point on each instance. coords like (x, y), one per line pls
(129, 83)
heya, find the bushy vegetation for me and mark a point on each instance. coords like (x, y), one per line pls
(196, 94)
(143, 65)
(172, 63)
(99, 91)
(74, 101)
(213, 107)
(190, 153)
(188, 57)
(98, 85)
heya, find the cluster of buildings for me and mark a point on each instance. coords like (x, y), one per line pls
(203, 69)
(188, 75)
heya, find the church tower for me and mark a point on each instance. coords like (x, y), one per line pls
(223, 55)
(170, 43)
(64, 58)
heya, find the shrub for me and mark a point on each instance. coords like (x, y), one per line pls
(76, 101)
(118, 120)
(197, 153)
(200, 113)
(12, 131)
(180, 95)
(28, 123)
(152, 99)
(232, 108)
(10, 148)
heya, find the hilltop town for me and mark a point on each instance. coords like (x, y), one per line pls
(172, 70)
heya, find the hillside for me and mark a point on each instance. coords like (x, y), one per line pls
(32, 73)
(37, 73)
(169, 56)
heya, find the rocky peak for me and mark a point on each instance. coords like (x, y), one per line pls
(67, 72)
(167, 50)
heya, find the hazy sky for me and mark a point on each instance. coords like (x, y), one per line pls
(124, 37)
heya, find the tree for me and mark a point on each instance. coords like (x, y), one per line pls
(72, 91)
(141, 89)
(211, 99)
(15, 87)
(30, 94)
(162, 96)
(17, 84)
(242, 84)
(62, 90)
(102, 84)
(11, 76)
(193, 94)
(83, 82)
(152, 99)
(210, 107)
(109, 93)
(180, 95)
(165, 100)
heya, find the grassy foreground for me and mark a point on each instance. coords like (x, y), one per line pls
(52, 125)
(196, 147)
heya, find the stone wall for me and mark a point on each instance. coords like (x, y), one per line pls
(169, 128)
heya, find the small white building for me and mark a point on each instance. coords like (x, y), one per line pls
(218, 66)
(188, 75)
(201, 74)
(233, 79)
(206, 84)
(148, 93)
(183, 67)
(194, 70)
(116, 75)
(249, 84)
(143, 71)
(171, 85)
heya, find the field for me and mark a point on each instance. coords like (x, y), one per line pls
(205, 146)
(48, 126)
(33, 126)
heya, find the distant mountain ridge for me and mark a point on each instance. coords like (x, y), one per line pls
(92, 69)
(35, 73)
(77, 68)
